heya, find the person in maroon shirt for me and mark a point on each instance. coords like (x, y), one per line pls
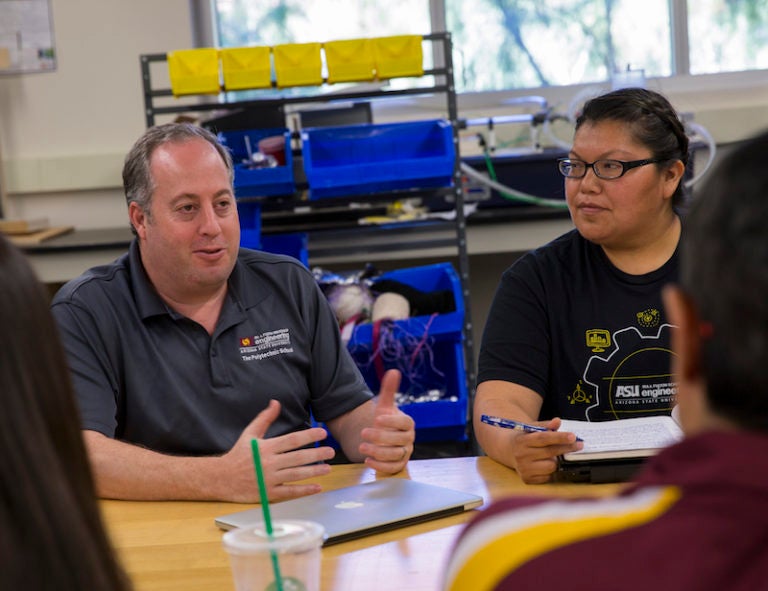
(695, 517)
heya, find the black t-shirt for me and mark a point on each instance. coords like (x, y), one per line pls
(591, 339)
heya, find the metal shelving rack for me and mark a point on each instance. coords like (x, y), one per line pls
(404, 235)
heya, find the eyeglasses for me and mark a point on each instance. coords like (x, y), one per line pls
(573, 168)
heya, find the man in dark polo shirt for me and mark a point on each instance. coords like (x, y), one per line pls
(187, 347)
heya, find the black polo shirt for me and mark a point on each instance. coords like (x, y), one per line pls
(146, 374)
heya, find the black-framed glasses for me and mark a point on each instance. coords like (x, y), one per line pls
(573, 168)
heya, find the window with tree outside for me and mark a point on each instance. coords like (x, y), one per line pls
(527, 44)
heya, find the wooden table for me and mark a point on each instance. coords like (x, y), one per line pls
(176, 546)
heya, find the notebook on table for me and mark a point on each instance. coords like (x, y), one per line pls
(615, 450)
(364, 509)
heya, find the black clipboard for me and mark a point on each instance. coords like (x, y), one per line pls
(598, 471)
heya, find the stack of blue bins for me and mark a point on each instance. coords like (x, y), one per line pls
(253, 182)
(432, 361)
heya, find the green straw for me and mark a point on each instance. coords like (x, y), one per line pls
(265, 511)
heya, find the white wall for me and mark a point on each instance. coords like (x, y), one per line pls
(63, 135)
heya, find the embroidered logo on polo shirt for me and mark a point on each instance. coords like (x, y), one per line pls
(266, 344)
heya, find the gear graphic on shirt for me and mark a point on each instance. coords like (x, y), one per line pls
(628, 383)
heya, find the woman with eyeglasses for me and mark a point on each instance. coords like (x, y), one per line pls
(577, 329)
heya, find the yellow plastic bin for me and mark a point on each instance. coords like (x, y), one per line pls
(194, 71)
(246, 67)
(397, 56)
(350, 60)
(298, 64)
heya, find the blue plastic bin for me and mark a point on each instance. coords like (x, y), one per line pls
(370, 158)
(431, 356)
(259, 182)
(250, 224)
(428, 278)
(294, 244)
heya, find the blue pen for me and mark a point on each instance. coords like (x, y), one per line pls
(517, 425)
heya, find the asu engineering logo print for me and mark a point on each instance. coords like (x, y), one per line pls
(626, 379)
(265, 345)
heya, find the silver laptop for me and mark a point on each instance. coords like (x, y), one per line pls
(364, 509)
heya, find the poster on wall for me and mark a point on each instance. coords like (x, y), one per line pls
(26, 37)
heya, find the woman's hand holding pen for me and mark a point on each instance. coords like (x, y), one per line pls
(535, 453)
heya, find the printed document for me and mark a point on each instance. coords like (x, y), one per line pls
(623, 438)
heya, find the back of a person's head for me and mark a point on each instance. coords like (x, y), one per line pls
(51, 536)
(725, 271)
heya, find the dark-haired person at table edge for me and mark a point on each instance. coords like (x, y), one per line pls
(577, 328)
(51, 532)
(187, 347)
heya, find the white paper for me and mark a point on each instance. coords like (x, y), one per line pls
(643, 433)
